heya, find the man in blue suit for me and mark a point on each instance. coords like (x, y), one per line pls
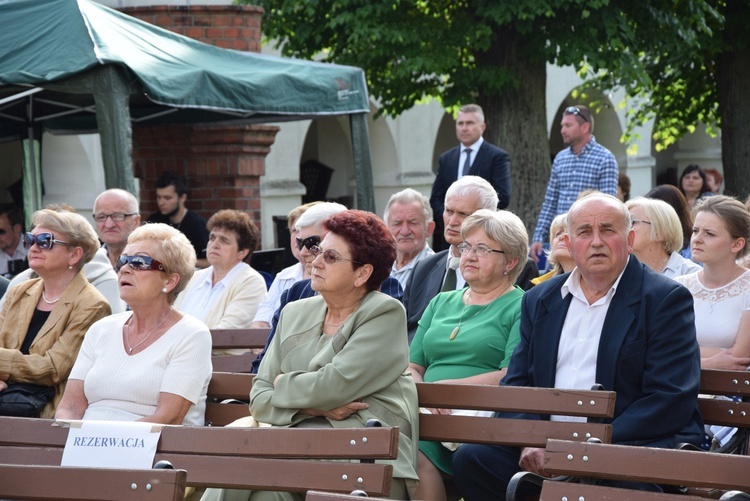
(611, 321)
(473, 156)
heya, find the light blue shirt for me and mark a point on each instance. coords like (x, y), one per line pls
(201, 297)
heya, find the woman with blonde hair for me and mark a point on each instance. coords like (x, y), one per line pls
(43, 320)
(658, 237)
(559, 254)
(152, 363)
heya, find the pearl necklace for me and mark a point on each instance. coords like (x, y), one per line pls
(127, 332)
(44, 298)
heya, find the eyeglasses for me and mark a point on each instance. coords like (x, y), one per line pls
(117, 217)
(636, 221)
(308, 242)
(139, 263)
(330, 256)
(479, 250)
(3, 231)
(574, 110)
(45, 241)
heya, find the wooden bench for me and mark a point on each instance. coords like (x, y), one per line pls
(647, 464)
(225, 339)
(332, 496)
(239, 458)
(83, 484)
(513, 432)
(726, 412)
(228, 386)
(557, 491)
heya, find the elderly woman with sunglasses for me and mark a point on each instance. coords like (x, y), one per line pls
(152, 363)
(43, 320)
(339, 358)
(226, 295)
(468, 336)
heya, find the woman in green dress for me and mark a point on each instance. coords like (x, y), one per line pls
(468, 336)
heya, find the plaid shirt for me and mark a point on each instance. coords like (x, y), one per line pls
(595, 168)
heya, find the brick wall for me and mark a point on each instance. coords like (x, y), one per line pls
(223, 164)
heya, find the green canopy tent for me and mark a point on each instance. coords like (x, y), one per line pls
(75, 66)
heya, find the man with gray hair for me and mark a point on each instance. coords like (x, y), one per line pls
(409, 218)
(440, 272)
(116, 214)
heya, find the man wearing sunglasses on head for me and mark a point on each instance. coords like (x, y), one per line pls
(310, 234)
(584, 165)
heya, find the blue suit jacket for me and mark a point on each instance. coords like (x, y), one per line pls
(302, 290)
(648, 355)
(490, 163)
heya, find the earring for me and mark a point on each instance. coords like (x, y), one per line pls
(505, 272)
(70, 267)
(164, 290)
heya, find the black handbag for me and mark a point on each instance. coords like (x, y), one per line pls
(24, 399)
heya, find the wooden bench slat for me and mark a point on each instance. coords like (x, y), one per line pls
(720, 382)
(646, 464)
(233, 363)
(556, 491)
(230, 385)
(324, 443)
(224, 414)
(516, 432)
(102, 484)
(238, 338)
(332, 496)
(725, 412)
(517, 399)
(282, 474)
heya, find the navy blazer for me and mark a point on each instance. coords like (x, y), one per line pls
(648, 354)
(302, 290)
(490, 163)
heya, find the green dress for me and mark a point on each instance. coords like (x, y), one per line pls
(484, 343)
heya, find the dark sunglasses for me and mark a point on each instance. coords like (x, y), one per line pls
(308, 242)
(574, 110)
(2, 231)
(330, 256)
(139, 263)
(45, 241)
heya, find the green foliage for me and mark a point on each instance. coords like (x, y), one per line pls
(451, 50)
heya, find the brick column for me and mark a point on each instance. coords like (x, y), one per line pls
(223, 164)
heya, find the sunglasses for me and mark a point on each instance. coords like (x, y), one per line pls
(45, 241)
(139, 263)
(330, 256)
(308, 242)
(574, 110)
(2, 231)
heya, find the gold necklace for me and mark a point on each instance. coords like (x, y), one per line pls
(127, 333)
(454, 332)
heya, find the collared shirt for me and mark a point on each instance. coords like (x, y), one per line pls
(579, 339)
(678, 266)
(462, 157)
(201, 297)
(5, 258)
(281, 282)
(404, 274)
(460, 282)
(595, 168)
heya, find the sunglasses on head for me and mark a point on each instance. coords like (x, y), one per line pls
(308, 242)
(139, 263)
(574, 110)
(45, 241)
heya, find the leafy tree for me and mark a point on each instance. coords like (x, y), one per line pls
(490, 52)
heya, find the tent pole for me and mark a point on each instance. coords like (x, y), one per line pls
(362, 162)
(115, 129)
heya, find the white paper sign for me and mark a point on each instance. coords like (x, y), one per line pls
(111, 444)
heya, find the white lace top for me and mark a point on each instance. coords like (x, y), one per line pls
(718, 311)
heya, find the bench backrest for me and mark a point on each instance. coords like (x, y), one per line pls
(238, 338)
(647, 464)
(730, 384)
(82, 484)
(214, 456)
(227, 386)
(556, 491)
(516, 432)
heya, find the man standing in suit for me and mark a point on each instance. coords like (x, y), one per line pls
(440, 271)
(473, 156)
(611, 321)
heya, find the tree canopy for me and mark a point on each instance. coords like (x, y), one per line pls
(493, 53)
